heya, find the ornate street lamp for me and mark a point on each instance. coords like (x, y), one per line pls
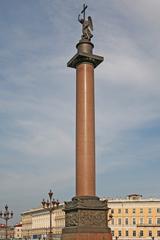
(50, 205)
(6, 215)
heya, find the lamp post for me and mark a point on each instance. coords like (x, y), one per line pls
(6, 215)
(50, 205)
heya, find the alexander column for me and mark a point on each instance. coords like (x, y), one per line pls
(85, 216)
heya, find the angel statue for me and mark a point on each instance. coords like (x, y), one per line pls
(87, 25)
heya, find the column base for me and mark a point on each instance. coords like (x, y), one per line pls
(86, 219)
(87, 236)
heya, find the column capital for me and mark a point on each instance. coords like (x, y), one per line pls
(84, 55)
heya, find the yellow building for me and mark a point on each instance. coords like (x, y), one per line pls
(135, 218)
(36, 223)
(26, 224)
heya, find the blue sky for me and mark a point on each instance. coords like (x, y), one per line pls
(37, 99)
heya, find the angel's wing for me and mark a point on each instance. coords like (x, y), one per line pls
(90, 22)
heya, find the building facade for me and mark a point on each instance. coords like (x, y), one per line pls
(133, 218)
(36, 223)
(26, 218)
(10, 232)
(2, 231)
(18, 231)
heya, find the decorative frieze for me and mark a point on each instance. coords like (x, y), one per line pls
(86, 212)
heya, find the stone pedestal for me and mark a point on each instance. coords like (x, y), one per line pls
(86, 219)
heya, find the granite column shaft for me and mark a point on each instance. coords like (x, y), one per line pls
(85, 130)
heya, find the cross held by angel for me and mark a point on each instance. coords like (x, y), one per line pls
(87, 25)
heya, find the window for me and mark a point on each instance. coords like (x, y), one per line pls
(134, 233)
(119, 233)
(150, 233)
(119, 221)
(112, 233)
(149, 210)
(141, 210)
(112, 221)
(126, 210)
(126, 233)
(119, 210)
(133, 210)
(149, 220)
(158, 220)
(141, 233)
(141, 220)
(134, 221)
(158, 233)
(126, 221)
(158, 210)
